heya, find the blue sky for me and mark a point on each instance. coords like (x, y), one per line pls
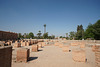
(60, 16)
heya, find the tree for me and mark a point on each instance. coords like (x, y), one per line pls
(27, 36)
(93, 31)
(78, 28)
(20, 35)
(45, 35)
(24, 35)
(72, 35)
(31, 35)
(53, 36)
(96, 29)
(61, 36)
(39, 34)
(66, 34)
(49, 37)
(80, 31)
(89, 33)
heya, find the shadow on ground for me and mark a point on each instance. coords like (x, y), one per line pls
(40, 50)
(32, 58)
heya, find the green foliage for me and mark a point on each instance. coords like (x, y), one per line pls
(44, 25)
(27, 36)
(51, 37)
(24, 35)
(67, 38)
(20, 35)
(61, 36)
(31, 35)
(66, 34)
(97, 30)
(39, 34)
(45, 35)
(72, 35)
(80, 31)
(93, 31)
(89, 33)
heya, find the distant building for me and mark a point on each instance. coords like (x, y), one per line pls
(4, 35)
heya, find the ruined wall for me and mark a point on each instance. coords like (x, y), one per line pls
(8, 35)
(5, 56)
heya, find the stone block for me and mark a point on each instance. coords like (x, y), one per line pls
(5, 56)
(23, 55)
(39, 45)
(34, 48)
(27, 44)
(23, 43)
(17, 44)
(9, 43)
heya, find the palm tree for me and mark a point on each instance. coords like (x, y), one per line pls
(44, 28)
(39, 34)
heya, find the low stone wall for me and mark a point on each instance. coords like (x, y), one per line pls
(65, 48)
(79, 55)
(97, 55)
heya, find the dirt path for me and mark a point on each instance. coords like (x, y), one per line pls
(53, 56)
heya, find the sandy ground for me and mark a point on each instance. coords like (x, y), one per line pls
(53, 56)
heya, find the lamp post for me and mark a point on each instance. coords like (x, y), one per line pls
(44, 28)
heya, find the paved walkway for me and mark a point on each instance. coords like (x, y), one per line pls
(53, 56)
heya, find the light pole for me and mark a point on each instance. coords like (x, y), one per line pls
(44, 28)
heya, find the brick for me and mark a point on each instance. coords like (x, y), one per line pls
(39, 45)
(34, 48)
(23, 55)
(1, 43)
(5, 56)
(32, 42)
(79, 55)
(16, 41)
(9, 43)
(27, 44)
(35, 41)
(43, 44)
(23, 43)
(17, 44)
